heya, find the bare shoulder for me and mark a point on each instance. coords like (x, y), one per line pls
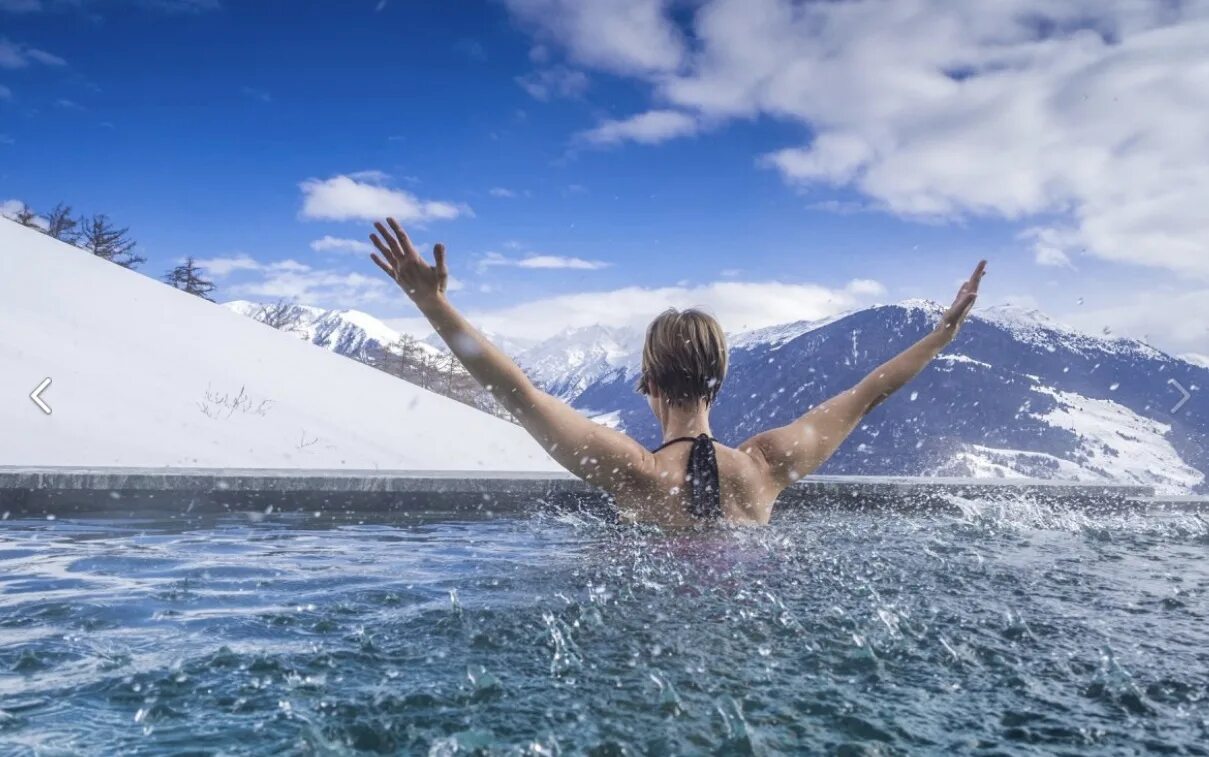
(749, 487)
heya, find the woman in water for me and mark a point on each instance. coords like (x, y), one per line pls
(690, 478)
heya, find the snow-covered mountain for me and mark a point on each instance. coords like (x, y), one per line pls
(510, 345)
(347, 332)
(567, 363)
(146, 375)
(1017, 394)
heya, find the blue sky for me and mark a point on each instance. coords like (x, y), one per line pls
(596, 161)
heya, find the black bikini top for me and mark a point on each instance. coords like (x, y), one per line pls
(705, 494)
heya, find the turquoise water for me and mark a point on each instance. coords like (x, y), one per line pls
(1004, 630)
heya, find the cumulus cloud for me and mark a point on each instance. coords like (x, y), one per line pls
(623, 36)
(739, 306)
(648, 128)
(1088, 115)
(335, 244)
(364, 196)
(534, 260)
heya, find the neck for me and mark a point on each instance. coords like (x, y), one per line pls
(685, 420)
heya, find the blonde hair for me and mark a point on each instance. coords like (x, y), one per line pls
(684, 357)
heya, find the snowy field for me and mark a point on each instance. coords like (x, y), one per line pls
(145, 375)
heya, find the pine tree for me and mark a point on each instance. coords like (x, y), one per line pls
(100, 237)
(187, 278)
(61, 225)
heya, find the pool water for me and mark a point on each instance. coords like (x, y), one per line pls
(1003, 630)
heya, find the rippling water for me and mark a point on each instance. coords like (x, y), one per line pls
(1007, 630)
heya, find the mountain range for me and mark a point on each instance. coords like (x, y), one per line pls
(1016, 394)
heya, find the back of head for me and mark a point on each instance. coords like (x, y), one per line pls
(684, 358)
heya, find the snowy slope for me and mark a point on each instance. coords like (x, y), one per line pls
(145, 375)
(347, 332)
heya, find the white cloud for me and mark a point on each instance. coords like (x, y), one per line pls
(502, 192)
(623, 36)
(648, 128)
(534, 260)
(1180, 323)
(364, 197)
(737, 305)
(223, 267)
(15, 55)
(334, 244)
(556, 81)
(1085, 111)
(324, 288)
(293, 280)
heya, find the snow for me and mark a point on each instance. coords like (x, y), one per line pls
(780, 334)
(1031, 326)
(611, 419)
(979, 461)
(1196, 359)
(1117, 444)
(957, 357)
(348, 332)
(567, 363)
(145, 375)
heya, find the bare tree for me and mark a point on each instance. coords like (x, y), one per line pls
(187, 277)
(100, 237)
(61, 225)
(281, 315)
(27, 217)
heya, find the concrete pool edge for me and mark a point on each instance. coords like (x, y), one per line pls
(48, 490)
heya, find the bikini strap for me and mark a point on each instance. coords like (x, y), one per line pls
(670, 442)
(705, 492)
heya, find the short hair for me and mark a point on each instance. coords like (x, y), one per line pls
(684, 357)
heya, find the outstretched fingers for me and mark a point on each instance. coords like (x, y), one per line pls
(390, 247)
(404, 240)
(976, 278)
(385, 268)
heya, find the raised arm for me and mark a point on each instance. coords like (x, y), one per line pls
(604, 456)
(799, 448)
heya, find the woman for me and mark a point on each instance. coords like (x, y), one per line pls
(691, 478)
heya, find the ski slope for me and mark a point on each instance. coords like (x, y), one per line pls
(145, 375)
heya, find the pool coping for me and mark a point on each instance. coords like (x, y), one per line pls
(65, 490)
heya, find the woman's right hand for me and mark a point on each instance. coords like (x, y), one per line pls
(423, 283)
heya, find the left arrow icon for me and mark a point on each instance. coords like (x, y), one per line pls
(36, 396)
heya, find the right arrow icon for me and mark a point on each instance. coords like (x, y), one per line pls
(1187, 395)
